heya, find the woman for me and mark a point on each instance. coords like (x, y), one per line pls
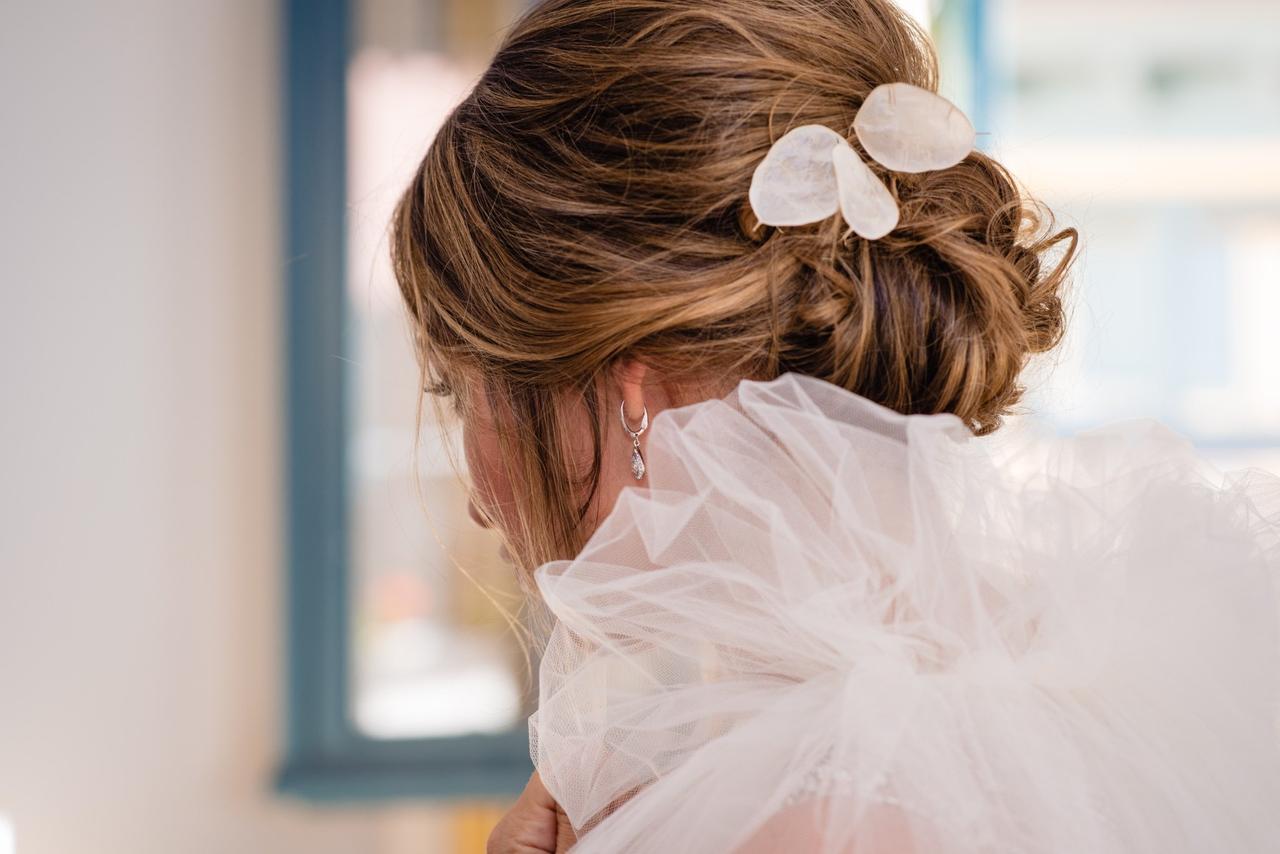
(724, 299)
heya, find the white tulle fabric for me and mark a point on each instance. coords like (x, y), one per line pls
(827, 627)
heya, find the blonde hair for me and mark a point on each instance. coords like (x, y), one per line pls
(587, 202)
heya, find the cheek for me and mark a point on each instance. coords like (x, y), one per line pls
(490, 487)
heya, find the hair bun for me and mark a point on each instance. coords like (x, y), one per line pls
(942, 314)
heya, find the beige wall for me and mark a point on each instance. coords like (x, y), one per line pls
(139, 436)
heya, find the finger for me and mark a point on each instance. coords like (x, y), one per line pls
(536, 794)
(529, 826)
(565, 837)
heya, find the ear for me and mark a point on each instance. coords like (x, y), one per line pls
(630, 374)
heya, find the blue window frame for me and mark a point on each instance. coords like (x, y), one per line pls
(326, 757)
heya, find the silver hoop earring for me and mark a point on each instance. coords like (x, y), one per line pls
(637, 461)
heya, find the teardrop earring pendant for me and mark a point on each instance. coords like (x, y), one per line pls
(637, 459)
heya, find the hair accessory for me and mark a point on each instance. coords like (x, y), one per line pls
(811, 171)
(637, 461)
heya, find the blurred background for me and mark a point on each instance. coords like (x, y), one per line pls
(235, 612)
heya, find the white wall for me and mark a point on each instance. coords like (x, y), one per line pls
(140, 526)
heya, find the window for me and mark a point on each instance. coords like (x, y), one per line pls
(404, 677)
(1153, 127)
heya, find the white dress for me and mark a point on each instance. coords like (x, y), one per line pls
(824, 626)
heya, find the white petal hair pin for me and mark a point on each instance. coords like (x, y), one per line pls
(812, 171)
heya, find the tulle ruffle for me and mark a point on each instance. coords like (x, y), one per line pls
(824, 626)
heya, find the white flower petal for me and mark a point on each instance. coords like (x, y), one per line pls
(909, 129)
(795, 184)
(866, 204)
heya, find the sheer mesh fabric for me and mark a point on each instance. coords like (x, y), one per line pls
(824, 626)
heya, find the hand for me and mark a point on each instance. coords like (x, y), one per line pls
(534, 825)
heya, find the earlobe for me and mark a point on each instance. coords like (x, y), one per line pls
(633, 411)
(630, 374)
